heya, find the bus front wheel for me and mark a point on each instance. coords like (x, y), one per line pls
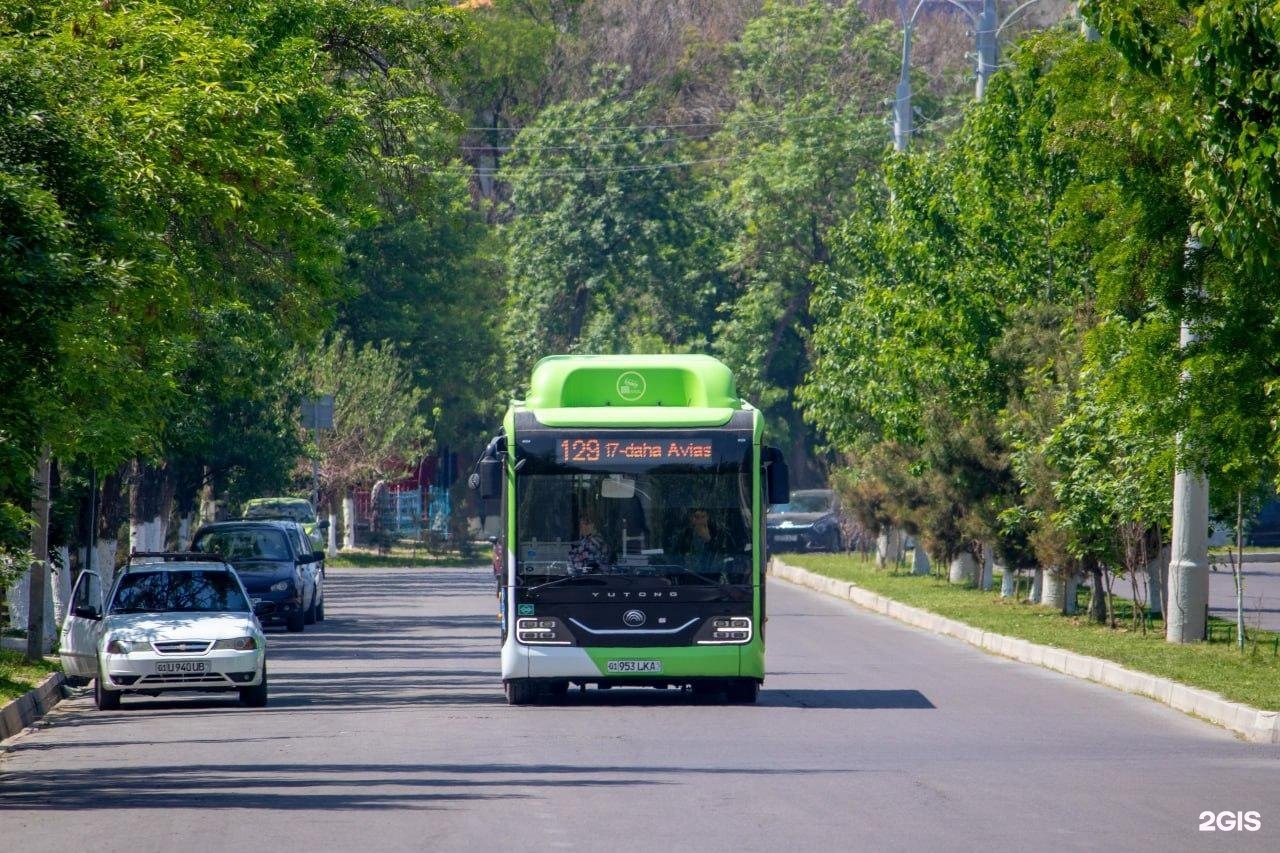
(744, 691)
(519, 691)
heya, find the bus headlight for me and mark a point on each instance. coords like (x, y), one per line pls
(721, 630)
(543, 631)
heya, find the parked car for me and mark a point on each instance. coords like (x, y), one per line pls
(1264, 530)
(290, 509)
(316, 567)
(809, 522)
(171, 622)
(277, 572)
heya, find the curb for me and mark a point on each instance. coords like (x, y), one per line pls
(26, 709)
(1254, 724)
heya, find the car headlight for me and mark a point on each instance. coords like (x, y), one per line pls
(280, 586)
(123, 647)
(547, 631)
(238, 644)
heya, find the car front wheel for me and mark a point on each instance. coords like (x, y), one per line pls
(106, 700)
(255, 697)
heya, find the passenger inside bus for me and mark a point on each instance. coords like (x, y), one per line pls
(703, 544)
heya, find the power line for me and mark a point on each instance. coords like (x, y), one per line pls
(629, 128)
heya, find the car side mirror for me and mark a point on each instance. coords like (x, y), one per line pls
(87, 613)
(777, 476)
(317, 556)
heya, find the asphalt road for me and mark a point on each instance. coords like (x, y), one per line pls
(387, 731)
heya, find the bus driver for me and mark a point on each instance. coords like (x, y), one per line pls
(589, 553)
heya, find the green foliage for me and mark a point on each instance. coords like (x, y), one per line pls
(608, 247)
(810, 79)
(379, 428)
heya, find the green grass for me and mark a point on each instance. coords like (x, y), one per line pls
(18, 675)
(406, 556)
(1251, 676)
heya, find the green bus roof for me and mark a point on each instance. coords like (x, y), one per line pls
(665, 390)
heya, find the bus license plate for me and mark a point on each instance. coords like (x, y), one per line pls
(634, 666)
(188, 667)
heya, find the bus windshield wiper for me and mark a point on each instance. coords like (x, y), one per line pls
(562, 580)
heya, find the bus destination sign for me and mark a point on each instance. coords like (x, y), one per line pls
(598, 450)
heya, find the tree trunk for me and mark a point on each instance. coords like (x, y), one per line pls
(964, 568)
(112, 513)
(61, 589)
(1070, 596)
(1008, 583)
(919, 560)
(1053, 589)
(332, 534)
(150, 501)
(38, 577)
(888, 547)
(348, 520)
(1157, 571)
(988, 567)
(1097, 601)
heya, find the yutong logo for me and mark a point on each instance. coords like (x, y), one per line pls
(631, 386)
(628, 594)
(633, 618)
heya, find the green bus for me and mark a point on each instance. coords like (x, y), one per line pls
(633, 492)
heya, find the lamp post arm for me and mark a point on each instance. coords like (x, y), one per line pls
(1013, 15)
(973, 19)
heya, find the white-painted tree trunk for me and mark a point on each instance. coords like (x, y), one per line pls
(19, 598)
(185, 525)
(1157, 571)
(888, 547)
(147, 535)
(333, 534)
(348, 521)
(1008, 582)
(1037, 587)
(1069, 604)
(104, 560)
(919, 560)
(988, 567)
(964, 568)
(1053, 590)
(61, 587)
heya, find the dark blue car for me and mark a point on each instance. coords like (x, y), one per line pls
(275, 571)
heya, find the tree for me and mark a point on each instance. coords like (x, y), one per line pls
(810, 79)
(609, 242)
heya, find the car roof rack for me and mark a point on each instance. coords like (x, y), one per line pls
(179, 556)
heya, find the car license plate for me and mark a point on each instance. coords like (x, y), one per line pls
(787, 537)
(634, 666)
(185, 667)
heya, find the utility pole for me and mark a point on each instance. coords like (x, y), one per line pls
(1189, 567)
(39, 578)
(984, 35)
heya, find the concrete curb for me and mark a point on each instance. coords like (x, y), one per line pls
(28, 708)
(1253, 724)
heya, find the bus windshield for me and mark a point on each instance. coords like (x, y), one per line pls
(597, 507)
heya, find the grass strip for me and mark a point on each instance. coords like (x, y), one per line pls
(407, 557)
(1251, 676)
(19, 675)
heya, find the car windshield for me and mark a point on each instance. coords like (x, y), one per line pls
(592, 521)
(819, 502)
(300, 511)
(243, 544)
(169, 591)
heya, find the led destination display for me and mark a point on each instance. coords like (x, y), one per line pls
(591, 450)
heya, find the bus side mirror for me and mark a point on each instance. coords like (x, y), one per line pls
(490, 476)
(777, 476)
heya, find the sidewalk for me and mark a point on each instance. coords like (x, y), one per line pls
(25, 710)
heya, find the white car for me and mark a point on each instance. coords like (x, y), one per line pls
(177, 622)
